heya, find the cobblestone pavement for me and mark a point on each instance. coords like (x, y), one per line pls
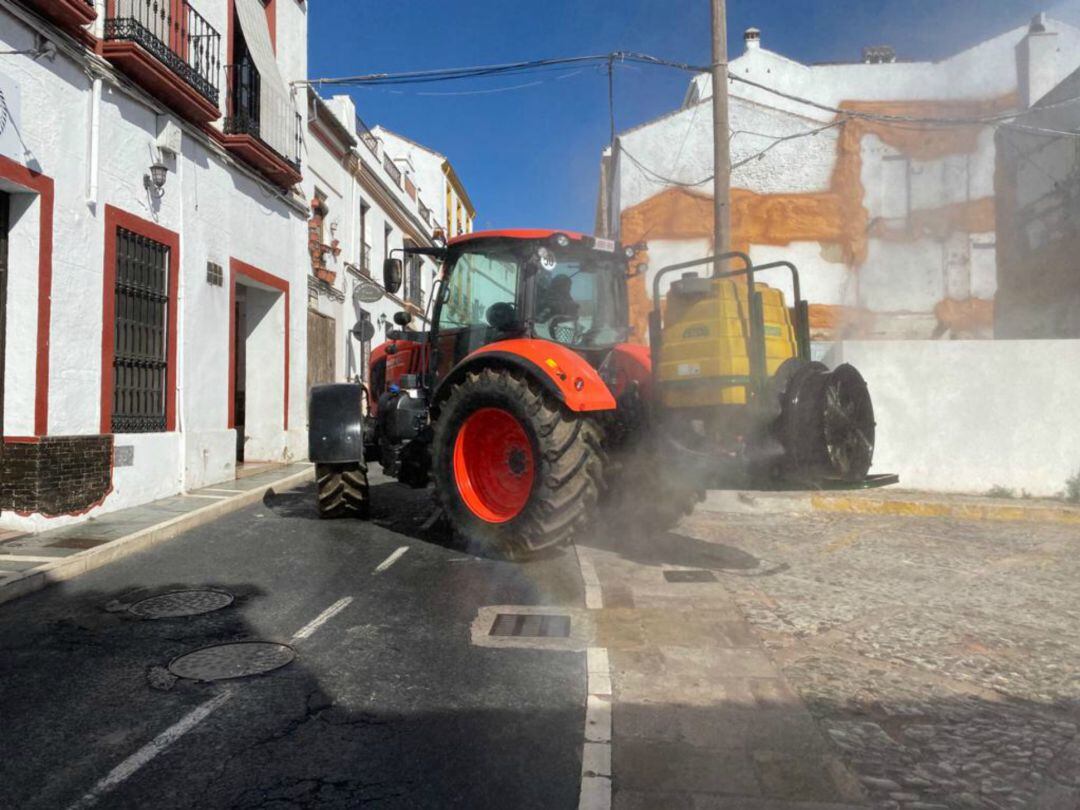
(940, 657)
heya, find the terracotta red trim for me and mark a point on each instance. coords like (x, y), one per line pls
(239, 268)
(22, 439)
(116, 218)
(35, 181)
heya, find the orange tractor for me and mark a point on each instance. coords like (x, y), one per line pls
(529, 409)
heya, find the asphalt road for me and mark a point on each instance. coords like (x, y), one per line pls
(387, 704)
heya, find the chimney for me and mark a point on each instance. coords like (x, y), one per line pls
(752, 38)
(879, 55)
(1037, 62)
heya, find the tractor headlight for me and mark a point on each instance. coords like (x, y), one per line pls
(561, 239)
(547, 258)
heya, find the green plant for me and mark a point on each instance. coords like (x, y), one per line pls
(1072, 488)
(1000, 492)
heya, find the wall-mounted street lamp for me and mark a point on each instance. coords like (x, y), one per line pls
(154, 182)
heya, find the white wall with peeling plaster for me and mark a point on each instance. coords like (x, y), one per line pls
(905, 276)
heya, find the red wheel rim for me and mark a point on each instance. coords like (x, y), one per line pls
(493, 465)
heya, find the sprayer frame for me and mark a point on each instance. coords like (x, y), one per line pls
(756, 351)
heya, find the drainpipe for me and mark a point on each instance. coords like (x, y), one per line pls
(94, 145)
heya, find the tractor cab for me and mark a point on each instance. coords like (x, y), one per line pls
(553, 286)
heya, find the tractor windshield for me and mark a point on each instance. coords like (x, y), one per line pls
(572, 295)
(579, 299)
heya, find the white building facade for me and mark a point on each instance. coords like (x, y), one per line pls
(452, 208)
(154, 243)
(366, 206)
(891, 224)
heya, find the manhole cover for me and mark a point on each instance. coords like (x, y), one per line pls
(690, 576)
(238, 660)
(531, 625)
(181, 603)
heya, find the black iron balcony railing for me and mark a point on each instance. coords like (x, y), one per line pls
(247, 116)
(365, 258)
(174, 34)
(425, 212)
(370, 141)
(392, 170)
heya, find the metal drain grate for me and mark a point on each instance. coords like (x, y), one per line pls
(690, 576)
(238, 660)
(181, 603)
(531, 625)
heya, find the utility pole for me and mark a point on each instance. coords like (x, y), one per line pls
(721, 130)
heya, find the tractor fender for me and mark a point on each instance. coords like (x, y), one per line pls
(335, 424)
(564, 373)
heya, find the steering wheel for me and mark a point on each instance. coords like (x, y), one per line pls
(561, 333)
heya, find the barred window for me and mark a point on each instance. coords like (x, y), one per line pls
(140, 360)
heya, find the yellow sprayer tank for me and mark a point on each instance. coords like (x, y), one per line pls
(705, 359)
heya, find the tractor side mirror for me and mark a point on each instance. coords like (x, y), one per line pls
(403, 318)
(392, 274)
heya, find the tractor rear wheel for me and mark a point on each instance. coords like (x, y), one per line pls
(515, 472)
(342, 490)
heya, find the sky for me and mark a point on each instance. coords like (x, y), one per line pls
(529, 153)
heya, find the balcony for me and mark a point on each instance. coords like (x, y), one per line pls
(370, 141)
(424, 211)
(392, 170)
(169, 49)
(262, 129)
(71, 15)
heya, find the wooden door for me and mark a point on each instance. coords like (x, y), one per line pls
(321, 345)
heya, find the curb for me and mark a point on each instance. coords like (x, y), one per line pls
(1034, 513)
(66, 568)
(930, 506)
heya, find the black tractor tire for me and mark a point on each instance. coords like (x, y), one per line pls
(565, 452)
(341, 490)
(645, 494)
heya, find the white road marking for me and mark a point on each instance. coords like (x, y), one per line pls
(597, 719)
(322, 618)
(393, 558)
(26, 558)
(596, 754)
(137, 760)
(594, 597)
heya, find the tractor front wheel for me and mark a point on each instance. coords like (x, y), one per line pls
(342, 490)
(515, 472)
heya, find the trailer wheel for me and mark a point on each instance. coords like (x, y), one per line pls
(515, 472)
(342, 490)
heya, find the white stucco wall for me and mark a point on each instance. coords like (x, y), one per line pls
(219, 208)
(965, 416)
(916, 267)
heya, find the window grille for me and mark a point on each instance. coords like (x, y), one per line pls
(139, 361)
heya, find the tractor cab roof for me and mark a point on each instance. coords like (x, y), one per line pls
(513, 233)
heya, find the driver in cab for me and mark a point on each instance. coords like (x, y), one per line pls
(556, 301)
